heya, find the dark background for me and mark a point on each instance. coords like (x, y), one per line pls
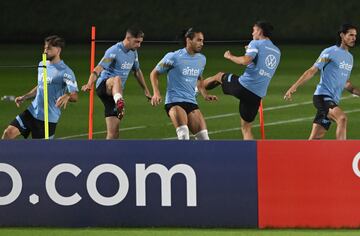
(307, 21)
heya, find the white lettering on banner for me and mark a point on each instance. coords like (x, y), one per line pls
(16, 184)
(165, 176)
(141, 175)
(123, 184)
(51, 187)
(355, 165)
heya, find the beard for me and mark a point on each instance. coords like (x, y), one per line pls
(50, 58)
(351, 45)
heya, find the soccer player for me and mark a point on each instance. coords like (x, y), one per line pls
(184, 70)
(62, 88)
(261, 59)
(112, 73)
(335, 64)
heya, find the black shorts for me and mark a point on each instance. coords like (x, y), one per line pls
(107, 100)
(187, 106)
(27, 124)
(249, 102)
(323, 103)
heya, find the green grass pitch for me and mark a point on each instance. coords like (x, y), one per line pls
(145, 122)
(142, 121)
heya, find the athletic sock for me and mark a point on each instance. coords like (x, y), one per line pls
(183, 132)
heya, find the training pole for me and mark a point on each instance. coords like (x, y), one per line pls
(46, 110)
(91, 97)
(262, 124)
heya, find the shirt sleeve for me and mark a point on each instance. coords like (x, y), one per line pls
(108, 58)
(136, 65)
(252, 49)
(166, 63)
(323, 59)
(70, 81)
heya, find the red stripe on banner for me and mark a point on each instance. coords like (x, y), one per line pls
(308, 184)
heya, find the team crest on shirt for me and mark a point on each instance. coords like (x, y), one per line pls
(270, 61)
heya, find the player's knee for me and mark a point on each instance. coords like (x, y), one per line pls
(202, 135)
(343, 119)
(183, 132)
(9, 133)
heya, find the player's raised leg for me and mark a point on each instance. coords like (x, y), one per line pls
(213, 81)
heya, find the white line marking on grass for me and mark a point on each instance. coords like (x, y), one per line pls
(206, 118)
(269, 124)
(103, 132)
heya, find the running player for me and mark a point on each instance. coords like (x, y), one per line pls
(112, 73)
(62, 88)
(335, 64)
(261, 59)
(184, 70)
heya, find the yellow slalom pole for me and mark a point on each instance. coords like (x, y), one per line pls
(46, 110)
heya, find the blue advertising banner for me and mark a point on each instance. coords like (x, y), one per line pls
(128, 183)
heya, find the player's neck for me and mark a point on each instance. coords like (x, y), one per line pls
(55, 60)
(264, 38)
(190, 51)
(344, 46)
(126, 45)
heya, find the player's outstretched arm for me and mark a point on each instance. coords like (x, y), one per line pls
(203, 91)
(92, 78)
(352, 89)
(140, 78)
(154, 78)
(307, 75)
(23, 98)
(243, 60)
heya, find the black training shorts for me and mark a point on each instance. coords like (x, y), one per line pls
(27, 124)
(187, 106)
(323, 103)
(249, 102)
(107, 100)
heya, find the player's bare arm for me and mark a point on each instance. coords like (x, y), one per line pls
(352, 89)
(154, 78)
(306, 76)
(23, 98)
(203, 91)
(140, 78)
(92, 78)
(243, 60)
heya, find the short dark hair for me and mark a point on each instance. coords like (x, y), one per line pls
(135, 32)
(266, 27)
(55, 41)
(344, 28)
(189, 33)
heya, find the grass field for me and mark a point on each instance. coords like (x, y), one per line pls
(284, 120)
(171, 231)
